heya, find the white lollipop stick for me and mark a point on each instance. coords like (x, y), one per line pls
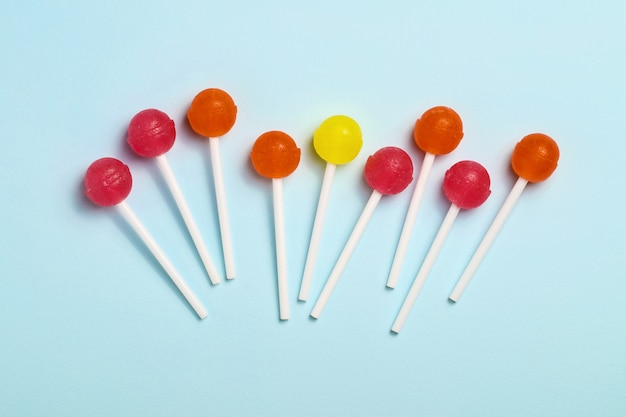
(493, 230)
(425, 268)
(168, 174)
(318, 225)
(222, 207)
(141, 231)
(281, 251)
(354, 238)
(409, 221)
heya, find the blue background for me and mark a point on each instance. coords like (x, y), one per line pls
(91, 326)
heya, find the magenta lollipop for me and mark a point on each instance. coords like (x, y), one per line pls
(107, 183)
(151, 133)
(466, 185)
(388, 171)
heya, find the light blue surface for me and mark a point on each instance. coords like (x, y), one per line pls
(91, 326)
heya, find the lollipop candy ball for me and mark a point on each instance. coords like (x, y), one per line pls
(338, 140)
(151, 133)
(438, 131)
(212, 113)
(389, 170)
(275, 155)
(108, 182)
(535, 157)
(466, 184)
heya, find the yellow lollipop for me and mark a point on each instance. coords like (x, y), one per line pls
(338, 140)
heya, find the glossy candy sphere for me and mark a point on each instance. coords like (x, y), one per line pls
(535, 157)
(275, 154)
(439, 131)
(151, 133)
(338, 140)
(212, 113)
(466, 184)
(108, 182)
(389, 170)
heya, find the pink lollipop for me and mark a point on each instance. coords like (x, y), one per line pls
(107, 183)
(388, 171)
(151, 133)
(466, 185)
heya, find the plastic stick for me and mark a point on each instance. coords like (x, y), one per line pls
(281, 251)
(346, 253)
(409, 221)
(428, 263)
(168, 174)
(316, 235)
(149, 241)
(222, 207)
(493, 230)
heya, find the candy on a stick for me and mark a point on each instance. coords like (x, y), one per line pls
(534, 159)
(388, 171)
(439, 131)
(275, 155)
(212, 114)
(107, 183)
(337, 141)
(151, 133)
(466, 185)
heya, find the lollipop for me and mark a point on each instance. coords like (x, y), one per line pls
(534, 159)
(437, 132)
(212, 114)
(107, 183)
(388, 171)
(466, 185)
(151, 134)
(275, 155)
(338, 141)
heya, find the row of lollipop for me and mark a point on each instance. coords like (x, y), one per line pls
(338, 141)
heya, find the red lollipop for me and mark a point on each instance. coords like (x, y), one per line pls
(388, 171)
(466, 185)
(107, 183)
(151, 133)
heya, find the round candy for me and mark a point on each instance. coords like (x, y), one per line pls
(535, 157)
(338, 140)
(389, 170)
(466, 184)
(108, 182)
(275, 155)
(438, 131)
(212, 113)
(151, 133)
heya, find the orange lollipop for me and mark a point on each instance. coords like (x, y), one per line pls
(212, 114)
(439, 131)
(275, 155)
(534, 159)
